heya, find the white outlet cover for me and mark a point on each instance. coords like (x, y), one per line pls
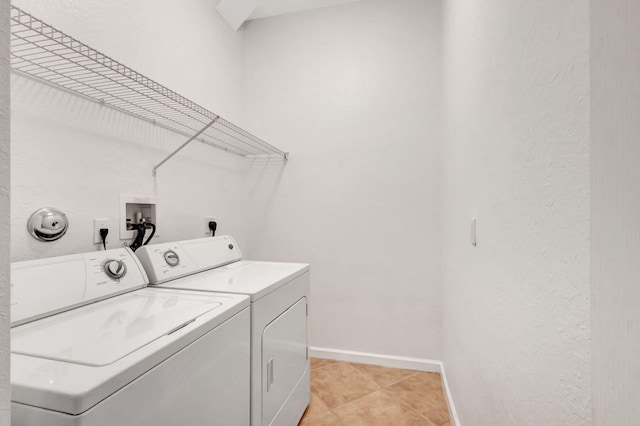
(208, 219)
(97, 225)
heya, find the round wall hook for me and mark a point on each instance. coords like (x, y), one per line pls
(47, 224)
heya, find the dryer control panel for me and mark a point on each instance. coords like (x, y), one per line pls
(168, 261)
(45, 287)
(164, 262)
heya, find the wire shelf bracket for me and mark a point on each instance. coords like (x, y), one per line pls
(155, 168)
(45, 53)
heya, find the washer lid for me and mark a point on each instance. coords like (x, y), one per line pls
(104, 332)
(55, 361)
(255, 279)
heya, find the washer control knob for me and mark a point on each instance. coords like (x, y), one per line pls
(171, 257)
(115, 269)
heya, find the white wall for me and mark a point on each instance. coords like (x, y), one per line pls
(354, 93)
(73, 154)
(516, 155)
(615, 201)
(5, 390)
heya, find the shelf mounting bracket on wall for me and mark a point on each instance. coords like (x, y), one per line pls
(155, 168)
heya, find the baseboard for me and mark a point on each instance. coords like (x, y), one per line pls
(392, 361)
(453, 414)
(376, 359)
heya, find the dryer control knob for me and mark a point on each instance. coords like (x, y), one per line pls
(171, 257)
(115, 269)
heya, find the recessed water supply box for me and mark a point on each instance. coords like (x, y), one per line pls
(134, 209)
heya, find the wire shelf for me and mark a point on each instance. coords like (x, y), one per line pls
(41, 51)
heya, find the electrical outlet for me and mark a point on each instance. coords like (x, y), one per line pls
(208, 219)
(97, 225)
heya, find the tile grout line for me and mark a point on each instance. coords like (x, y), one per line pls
(348, 402)
(402, 380)
(365, 374)
(412, 408)
(384, 388)
(402, 401)
(415, 372)
(361, 396)
(320, 368)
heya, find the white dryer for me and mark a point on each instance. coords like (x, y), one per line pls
(280, 384)
(90, 346)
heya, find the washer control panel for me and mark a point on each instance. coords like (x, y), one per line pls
(44, 287)
(115, 269)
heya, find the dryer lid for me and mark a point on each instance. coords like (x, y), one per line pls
(102, 333)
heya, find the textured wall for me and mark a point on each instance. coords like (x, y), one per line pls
(516, 155)
(615, 136)
(354, 92)
(75, 155)
(4, 214)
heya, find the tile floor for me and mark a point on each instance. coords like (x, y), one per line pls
(346, 394)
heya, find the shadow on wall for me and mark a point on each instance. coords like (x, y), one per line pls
(74, 154)
(45, 103)
(262, 181)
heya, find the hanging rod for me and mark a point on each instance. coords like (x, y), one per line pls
(45, 53)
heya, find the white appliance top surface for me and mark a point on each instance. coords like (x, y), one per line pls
(253, 278)
(168, 261)
(70, 361)
(102, 333)
(48, 286)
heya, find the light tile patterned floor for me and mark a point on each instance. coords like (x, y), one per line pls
(345, 394)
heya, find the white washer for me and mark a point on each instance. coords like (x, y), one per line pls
(91, 347)
(280, 386)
